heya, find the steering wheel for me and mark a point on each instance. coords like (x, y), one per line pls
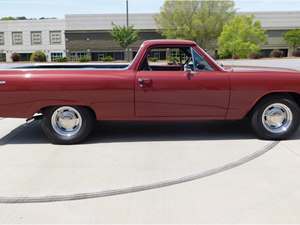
(189, 59)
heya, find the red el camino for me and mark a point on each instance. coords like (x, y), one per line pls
(190, 85)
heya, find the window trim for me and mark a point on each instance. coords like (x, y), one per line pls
(156, 47)
(31, 37)
(12, 37)
(192, 48)
(50, 37)
(2, 43)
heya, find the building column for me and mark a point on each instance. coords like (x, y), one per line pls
(8, 57)
(130, 55)
(48, 55)
(290, 52)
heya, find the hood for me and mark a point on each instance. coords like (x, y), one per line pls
(257, 69)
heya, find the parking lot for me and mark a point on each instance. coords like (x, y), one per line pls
(206, 172)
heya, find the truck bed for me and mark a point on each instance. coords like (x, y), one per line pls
(64, 66)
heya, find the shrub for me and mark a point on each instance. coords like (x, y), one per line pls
(38, 56)
(292, 37)
(296, 53)
(107, 58)
(62, 59)
(225, 56)
(255, 56)
(172, 60)
(153, 59)
(85, 59)
(276, 54)
(15, 57)
(236, 57)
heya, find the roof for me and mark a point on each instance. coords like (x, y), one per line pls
(24, 25)
(141, 21)
(146, 21)
(105, 21)
(168, 42)
(277, 20)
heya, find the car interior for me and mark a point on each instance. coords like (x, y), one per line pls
(174, 59)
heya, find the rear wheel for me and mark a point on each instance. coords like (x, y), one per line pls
(276, 118)
(67, 124)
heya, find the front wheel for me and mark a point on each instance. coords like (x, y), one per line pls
(276, 118)
(67, 124)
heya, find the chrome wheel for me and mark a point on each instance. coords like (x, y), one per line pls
(66, 121)
(277, 118)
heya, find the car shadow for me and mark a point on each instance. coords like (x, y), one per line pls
(111, 132)
(114, 132)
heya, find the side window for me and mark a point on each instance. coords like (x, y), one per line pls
(167, 59)
(200, 64)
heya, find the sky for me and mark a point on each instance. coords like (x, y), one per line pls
(58, 8)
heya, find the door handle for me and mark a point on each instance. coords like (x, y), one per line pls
(2, 82)
(189, 74)
(144, 82)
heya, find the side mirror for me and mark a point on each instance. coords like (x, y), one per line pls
(188, 71)
(187, 68)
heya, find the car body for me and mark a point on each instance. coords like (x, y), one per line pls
(157, 93)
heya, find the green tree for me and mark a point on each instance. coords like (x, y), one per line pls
(124, 36)
(14, 18)
(292, 37)
(241, 37)
(8, 18)
(200, 21)
(21, 18)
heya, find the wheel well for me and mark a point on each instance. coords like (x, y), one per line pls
(292, 95)
(87, 107)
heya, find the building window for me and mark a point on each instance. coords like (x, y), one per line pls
(159, 54)
(2, 57)
(55, 56)
(276, 33)
(17, 38)
(55, 37)
(36, 38)
(1, 38)
(76, 56)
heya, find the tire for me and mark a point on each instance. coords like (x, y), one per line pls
(66, 125)
(272, 112)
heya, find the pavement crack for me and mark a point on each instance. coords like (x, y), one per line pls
(134, 189)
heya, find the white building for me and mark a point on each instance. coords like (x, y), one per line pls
(276, 24)
(89, 34)
(27, 36)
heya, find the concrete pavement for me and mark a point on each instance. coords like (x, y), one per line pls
(263, 190)
(266, 189)
(285, 63)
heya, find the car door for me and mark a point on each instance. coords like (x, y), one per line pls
(190, 93)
